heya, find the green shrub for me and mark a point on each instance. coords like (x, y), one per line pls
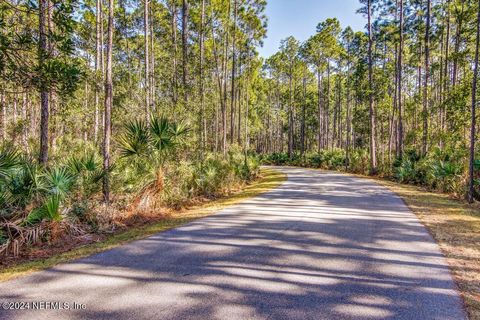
(144, 150)
(23, 186)
(335, 159)
(412, 168)
(79, 210)
(446, 176)
(9, 162)
(315, 160)
(244, 166)
(405, 172)
(177, 183)
(276, 158)
(359, 161)
(208, 177)
(49, 211)
(157, 140)
(89, 173)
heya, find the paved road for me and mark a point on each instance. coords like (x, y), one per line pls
(321, 246)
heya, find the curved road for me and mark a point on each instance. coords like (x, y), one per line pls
(321, 246)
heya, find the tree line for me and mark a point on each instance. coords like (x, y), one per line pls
(404, 90)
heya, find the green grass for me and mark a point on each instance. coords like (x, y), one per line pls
(269, 179)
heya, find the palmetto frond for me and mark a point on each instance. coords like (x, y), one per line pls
(75, 165)
(26, 184)
(49, 211)
(9, 161)
(58, 182)
(135, 139)
(89, 162)
(179, 131)
(161, 133)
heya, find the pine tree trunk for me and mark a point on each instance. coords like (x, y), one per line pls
(239, 110)
(224, 103)
(85, 110)
(302, 126)
(185, 13)
(53, 101)
(327, 108)
(98, 58)
(152, 62)
(174, 53)
(234, 56)
(441, 109)
(108, 105)
(219, 75)
(471, 190)
(458, 33)
(399, 84)
(247, 141)
(42, 55)
(290, 115)
(426, 83)
(373, 155)
(15, 109)
(217, 133)
(33, 119)
(338, 112)
(53, 120)
(349, 122)
(445, 71)
(24, 119)
(202, 122)
(319, 93)
(146, 29)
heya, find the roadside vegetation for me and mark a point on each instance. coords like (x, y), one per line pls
(152, 172)
(49, 254)
(440, 170)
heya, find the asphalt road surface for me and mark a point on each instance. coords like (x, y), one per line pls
(321, 246)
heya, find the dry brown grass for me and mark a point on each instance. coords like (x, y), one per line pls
(50, 256)
(455, 225)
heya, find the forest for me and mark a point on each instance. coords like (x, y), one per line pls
(111, 109)
(397, 100)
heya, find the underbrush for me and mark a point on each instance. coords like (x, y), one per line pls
(325, 159)
(440, 170)
(210, 178)
(152, 172)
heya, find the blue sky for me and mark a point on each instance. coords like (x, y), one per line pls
(299, 18)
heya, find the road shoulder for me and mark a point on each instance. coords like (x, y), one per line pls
(455, 226)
